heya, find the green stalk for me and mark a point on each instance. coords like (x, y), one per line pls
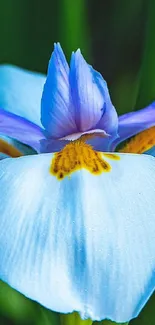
(73, 319)
(74, 26)
(147, 71)
(109, 322)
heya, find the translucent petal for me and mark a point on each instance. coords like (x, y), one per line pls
(20, 92)
(97, 138)
(85, 243)
(151, 151)
(109, 119)
(90, 96)
(57, 111)
(23, 149)
(134, 122)
(21, 129)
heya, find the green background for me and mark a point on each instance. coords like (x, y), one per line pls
(117, 37)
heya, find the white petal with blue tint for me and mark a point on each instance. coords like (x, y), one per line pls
(20, 92)
(57, 114)
(85, 243)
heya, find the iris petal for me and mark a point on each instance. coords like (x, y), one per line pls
(151, 151)
(109, 119)
(135, 122)
(89, 92)
(3, 156)
(57, 111)
(20, 92)
(49, 145)
(23, 149)
(85, 243)
(21, 129)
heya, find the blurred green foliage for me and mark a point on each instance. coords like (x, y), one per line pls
(146, 92)
(117, 38)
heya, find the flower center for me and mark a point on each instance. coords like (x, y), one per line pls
(141, 142)
(77, 155)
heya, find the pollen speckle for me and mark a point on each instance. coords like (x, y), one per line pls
(77, 155)
(141, 142)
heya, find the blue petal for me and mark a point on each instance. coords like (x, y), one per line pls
(85, 243)
(56, 106)
(25, 150)
(109, 120)
(134, 122)
(151, 151)
(49, 145)
(20, 92)
(3, 156)
(21, 129)
(91, 99)
(96, 138)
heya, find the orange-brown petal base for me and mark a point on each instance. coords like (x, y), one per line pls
(77, 155)
(9, 150)
(141, 142)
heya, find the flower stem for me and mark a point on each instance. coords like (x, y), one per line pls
(73, 319)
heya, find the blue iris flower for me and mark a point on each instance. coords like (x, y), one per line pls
(84, 243)
(74, 101)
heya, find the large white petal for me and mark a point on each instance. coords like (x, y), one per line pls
(85, 243)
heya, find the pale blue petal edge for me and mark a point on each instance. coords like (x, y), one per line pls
(20, 92)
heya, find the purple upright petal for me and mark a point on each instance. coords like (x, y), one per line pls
(87, 97)
(20, 129)
(109, 119)
(56, 106)
(93, 107)
(132, 123)
(49, 145)
(98, 141)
